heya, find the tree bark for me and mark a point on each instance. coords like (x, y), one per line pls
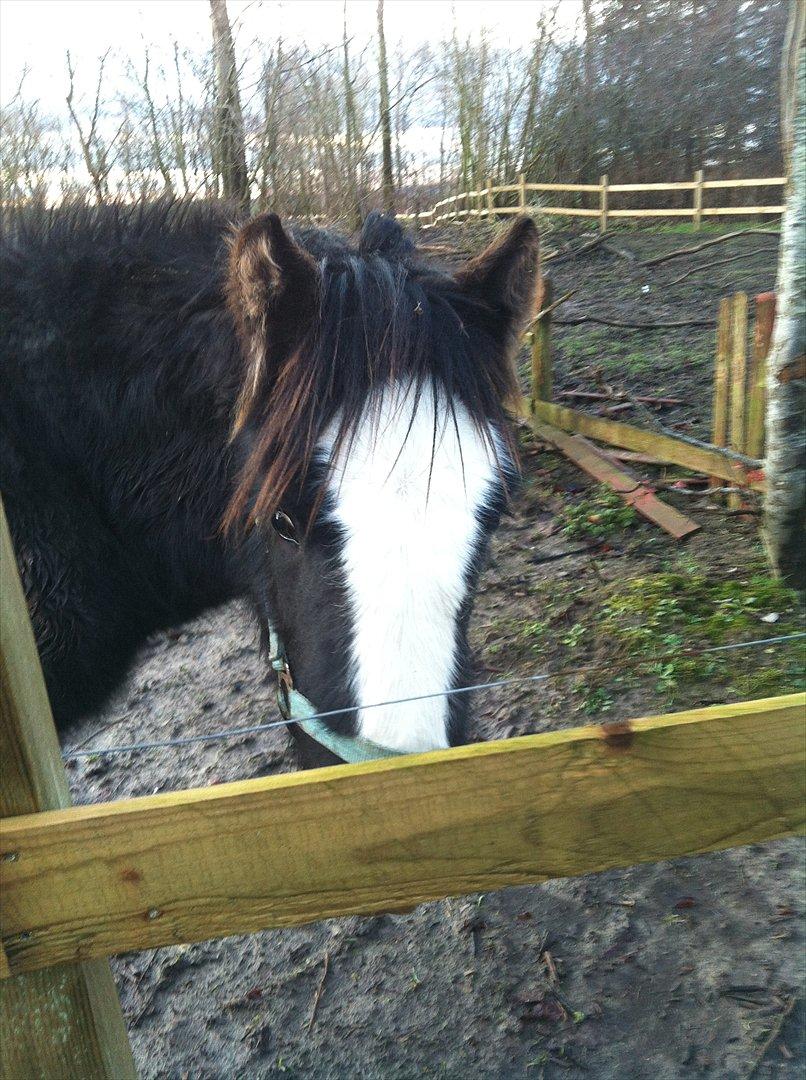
(230, 155)
(786, 380)
(388, 182)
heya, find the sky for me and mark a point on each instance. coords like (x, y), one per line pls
(37, 33)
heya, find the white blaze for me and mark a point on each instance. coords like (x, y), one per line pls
(410, 525)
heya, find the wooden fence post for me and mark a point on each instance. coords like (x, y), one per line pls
(603, 202)
(522, 191)
(490, 198)
(542, 378)
(738, 382)
(64, 1021)
(699, 177)
(757, 375)
(724, 337)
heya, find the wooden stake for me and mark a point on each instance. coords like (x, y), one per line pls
(724, 337)
(542, 376)
(738, 382)
(67, 1021)
(757, 377)
(603, 202)
(522, 192)
(699, 176)
(490, 197)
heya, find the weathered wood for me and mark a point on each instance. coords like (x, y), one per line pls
(699, 176)
(290, 849)
(602, 467)
(757, 375)
(738, 380)
(603, 202)
(718, 211)
(767, 181)
(490, 196)
(562, 187)
(542, 374)
(709, 462)
(522, 191)
(65, 1021)
(680, 185)
(724, 337)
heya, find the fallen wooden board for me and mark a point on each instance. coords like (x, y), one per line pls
(90, 881)
(666, 447)
(602, 467)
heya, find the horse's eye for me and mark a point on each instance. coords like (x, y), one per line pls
(286, 528)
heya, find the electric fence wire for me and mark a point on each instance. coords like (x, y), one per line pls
(256, 729)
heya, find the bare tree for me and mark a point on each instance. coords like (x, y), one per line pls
(229, 145)
(387, 171)
(785, 468)
(99, 152)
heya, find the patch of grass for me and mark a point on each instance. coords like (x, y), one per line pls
(657, 617)
(599, 516)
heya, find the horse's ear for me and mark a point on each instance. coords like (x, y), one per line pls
(272, 292)
(505, 276)
(273, 295)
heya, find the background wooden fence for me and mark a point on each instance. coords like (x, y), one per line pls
(482, 203)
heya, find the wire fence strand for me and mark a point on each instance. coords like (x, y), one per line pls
(256, 729)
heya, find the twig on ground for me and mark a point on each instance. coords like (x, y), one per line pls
(671, 324)
(319, 990)
(706, 244)
(777, 1027)
(561, 256)
(547, 310)
(720, 262)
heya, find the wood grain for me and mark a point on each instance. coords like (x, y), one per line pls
(66, 1021)
(708, 462)
(93, 880)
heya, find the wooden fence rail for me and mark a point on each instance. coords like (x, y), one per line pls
(90, 881)
(484, 199)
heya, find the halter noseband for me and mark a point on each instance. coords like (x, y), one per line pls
(295, 708)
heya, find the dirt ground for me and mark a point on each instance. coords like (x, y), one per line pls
(678, 969)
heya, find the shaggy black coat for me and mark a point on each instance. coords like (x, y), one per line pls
(135, 340)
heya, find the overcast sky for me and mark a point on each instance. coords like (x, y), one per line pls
(37, 33)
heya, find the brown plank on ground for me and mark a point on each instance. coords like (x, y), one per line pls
(699, 458)
(602, 467)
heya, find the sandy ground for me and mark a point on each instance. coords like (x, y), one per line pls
(670, 970)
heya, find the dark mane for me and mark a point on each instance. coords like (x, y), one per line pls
(383, 316)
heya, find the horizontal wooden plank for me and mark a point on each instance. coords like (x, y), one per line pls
(563, 187)
(668, 212)
(682, 185)
(93, 880)
(569, 211)
(718, 211)
(766, 181)
(710, 462)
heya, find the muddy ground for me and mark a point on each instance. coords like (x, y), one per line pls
(690, 968)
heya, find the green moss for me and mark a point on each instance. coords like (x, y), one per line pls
(599, 515)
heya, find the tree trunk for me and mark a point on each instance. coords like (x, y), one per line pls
(386, 119)
(786, 406)
(230, 148)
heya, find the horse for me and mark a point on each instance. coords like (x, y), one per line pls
(198, 407)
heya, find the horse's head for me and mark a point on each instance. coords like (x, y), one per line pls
(376, 459)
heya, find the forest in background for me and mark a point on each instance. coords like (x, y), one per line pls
(641, 89)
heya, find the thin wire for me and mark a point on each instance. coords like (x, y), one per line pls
(234, 733)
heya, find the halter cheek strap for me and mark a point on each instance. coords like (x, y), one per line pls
(296, 708)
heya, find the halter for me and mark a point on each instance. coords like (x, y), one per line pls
(295, 708)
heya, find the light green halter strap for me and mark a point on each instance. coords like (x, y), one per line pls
(296, 708)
